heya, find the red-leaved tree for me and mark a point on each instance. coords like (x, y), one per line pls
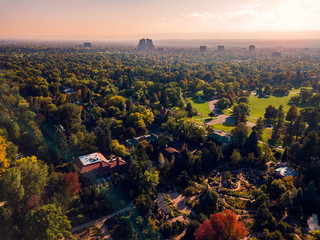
(71, 183)
(221, 226)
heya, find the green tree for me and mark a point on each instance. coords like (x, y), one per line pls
(118, 149)
(47, 222)
(223, 103)
(271, 113)
(259, 128)
(12, 188)
(240, 112)
(69, 115)
(34, 176)
(235, 156)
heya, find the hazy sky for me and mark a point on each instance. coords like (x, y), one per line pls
(112, 19)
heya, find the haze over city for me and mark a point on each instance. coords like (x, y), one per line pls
(178, 19)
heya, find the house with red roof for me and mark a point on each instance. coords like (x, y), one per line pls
(97, 163)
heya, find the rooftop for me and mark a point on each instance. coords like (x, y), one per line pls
(171, 150)
(92, 158)
(285, 172)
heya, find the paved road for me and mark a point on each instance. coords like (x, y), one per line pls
(100, 223)
(222, 118)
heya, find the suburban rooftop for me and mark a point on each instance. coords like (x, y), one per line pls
(92, 158)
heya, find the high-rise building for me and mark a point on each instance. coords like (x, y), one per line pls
(87, 44)
(276, 54)
(203, 49)
(150, 45)
(142, 45)
(252, 48)
(220, 48)
(145, 45)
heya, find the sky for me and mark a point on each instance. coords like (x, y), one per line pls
(173, 19)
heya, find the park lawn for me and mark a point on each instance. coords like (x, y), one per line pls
(223, 127)
(202, 107)
(227, 128)
(252, 120)
(258, 105)
(227, 112)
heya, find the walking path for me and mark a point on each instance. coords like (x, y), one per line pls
(100, 223)
(222, 118)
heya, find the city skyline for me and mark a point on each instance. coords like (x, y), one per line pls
(124, 19)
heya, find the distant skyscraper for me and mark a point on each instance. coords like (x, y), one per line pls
(252, 48)
(150, 45)
(276, 54)
(203, 49)
(145, 45)
(87, 44)
(220, 48)
(142, 45)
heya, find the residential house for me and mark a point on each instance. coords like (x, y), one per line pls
(133, 142)
(96, 163)
(221, 137)
(169, 152)
(285, 172)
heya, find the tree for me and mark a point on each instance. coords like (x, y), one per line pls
(70, 117)
(259, 128)
(104, 140)
(292, 113)
(235, 156)
(299, 126)
(210, 201)
(277, 188)
(161, 159)
(279, 126)
(251, 145)
(71, 183)
(271, 113)
(118, 149)
(34, 176)
(221, 226)
(150, 181)
(12, 188)
(240, 134)
(47, 222)
(7, 229)
(223, 103)
(4, 162)
(154, 98)
(129, 133)
(164, 99)
(240, 112)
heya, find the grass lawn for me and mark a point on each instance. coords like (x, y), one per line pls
(227, 112)
(227, 128)
(202, 107)
(223, 127)
(258, 105)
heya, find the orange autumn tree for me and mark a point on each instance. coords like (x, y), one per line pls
(221, 226)
(4, 162)
(71, 183)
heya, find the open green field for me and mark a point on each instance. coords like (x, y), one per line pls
(223, 127)
(258, 105)
(202, 107)
(227, 128)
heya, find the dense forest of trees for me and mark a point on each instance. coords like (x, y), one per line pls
(57, 103)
